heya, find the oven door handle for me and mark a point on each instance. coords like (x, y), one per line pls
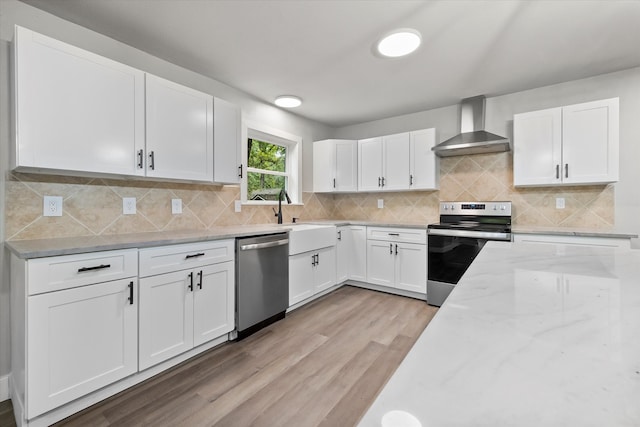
(468, 233)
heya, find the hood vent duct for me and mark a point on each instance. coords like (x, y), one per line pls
(473, 139)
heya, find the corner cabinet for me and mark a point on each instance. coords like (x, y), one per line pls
(75, 110)
(227, 161)
(571, 145)
(351, 253)
(179, 126)
(335, 166)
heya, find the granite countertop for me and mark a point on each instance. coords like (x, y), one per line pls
(39, 248)
(533, 335)
(571, 231)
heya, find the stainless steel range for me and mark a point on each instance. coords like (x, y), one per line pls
(457, 239)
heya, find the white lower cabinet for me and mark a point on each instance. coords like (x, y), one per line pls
(186, 308)
(394, 263)
(310, 273)
(69, 342)
(351, 253)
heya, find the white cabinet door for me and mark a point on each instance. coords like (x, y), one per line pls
(75, 111)
(179, 131)
(380, 263)
(343, 253)
(537, 147)
(346, 165)
(396, 162)
(370, 164)
(423, 168)
(590, 142)
(166, 316)
(79, 340)
(358, 253)
(227, 162)
(411, 267)
(325, 269)
(301, 280)
(213, 302)
(324, 166)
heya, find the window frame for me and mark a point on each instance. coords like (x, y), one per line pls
(293, 143)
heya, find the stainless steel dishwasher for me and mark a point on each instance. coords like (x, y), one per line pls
(262, 281)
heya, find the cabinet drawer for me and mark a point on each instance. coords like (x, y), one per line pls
(70, 271)
(407, 235)
(166, 259)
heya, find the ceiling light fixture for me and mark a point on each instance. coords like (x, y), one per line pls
(399, 43)
(288, 101)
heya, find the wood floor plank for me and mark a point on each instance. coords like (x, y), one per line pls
(323, 364)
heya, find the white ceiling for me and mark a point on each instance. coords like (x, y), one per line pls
(320, 50)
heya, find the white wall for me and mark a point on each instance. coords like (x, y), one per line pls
(13, 12)
(499, 119)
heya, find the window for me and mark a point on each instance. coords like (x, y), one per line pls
(272, 158)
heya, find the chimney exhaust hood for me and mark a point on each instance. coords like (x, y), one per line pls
(473, 139)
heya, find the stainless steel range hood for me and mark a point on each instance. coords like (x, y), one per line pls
(473, 139)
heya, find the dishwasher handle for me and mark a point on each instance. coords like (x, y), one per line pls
(264, 245)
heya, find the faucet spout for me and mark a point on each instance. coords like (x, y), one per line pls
(280, 195)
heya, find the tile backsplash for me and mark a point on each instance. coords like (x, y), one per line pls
(93, 206)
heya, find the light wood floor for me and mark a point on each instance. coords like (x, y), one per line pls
(321, 366)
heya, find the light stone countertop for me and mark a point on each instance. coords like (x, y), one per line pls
(571, 231)
(39, 248)
(533, 335)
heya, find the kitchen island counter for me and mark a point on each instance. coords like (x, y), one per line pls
(532, 335)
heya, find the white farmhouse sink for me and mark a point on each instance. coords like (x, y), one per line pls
(309, 237)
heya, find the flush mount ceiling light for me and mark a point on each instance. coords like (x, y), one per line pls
(288, 101)
(398, 43)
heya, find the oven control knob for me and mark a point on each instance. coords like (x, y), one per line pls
(495, 208)
(446, 208)
(503, 208)
(452, 207)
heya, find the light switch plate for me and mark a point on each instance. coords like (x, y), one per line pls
(380, 203)
(559, 202)
(52, 206)
(128, 205)
(238, 206)
(176, 206)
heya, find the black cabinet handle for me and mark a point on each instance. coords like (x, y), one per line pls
(396, 249)
(557, 171)
(194, 255)
(383, 181)
(140, 158)
(393, 234)
(379, 181)
(334, 183)
(317, 259)
(191, 281)
(391, 248)
(566, 170)
(152, 165)
(313, 260)
(240, 174)
(200, 279)
(130, 299)
(340, 235)
(97, 267)
(410, 179)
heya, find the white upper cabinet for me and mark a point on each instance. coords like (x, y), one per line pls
(75, 111)
(576, 144)
(424, 173)
(395, 161)
(179, 131)
(227, 161)
(398, 162)
(335, 166)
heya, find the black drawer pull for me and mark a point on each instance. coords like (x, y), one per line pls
(97, 267)
(194, 255)
(240, 174)
(130, 299)
(393, 234)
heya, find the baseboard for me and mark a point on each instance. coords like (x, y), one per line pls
(4, 388)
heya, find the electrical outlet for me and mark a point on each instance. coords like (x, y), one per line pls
(52, 206)
(128, 205)
(176, 206)
(238, 206)
(380, 203)
(559, 202)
